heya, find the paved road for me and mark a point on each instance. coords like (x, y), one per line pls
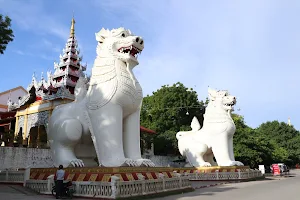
(273, 189)
(277, 189)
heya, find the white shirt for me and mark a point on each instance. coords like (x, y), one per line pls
(60, 174)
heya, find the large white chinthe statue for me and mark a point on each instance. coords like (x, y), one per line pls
(104, 119)
(215, 138)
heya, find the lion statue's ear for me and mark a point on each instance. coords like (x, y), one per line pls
(102, 34)
(212, 94)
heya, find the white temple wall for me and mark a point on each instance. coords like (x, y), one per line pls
(17, 157)
(13, 95)
(161, 161)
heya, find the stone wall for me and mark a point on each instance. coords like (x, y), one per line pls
(16, 157)
(162, 161)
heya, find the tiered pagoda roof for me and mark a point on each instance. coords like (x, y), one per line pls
(62, 82)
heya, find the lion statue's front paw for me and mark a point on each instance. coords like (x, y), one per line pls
(205, 164)
(232, 163)
(130, 163)
(145, 162)
(238, 163)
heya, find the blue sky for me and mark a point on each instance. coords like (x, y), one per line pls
(250, 47)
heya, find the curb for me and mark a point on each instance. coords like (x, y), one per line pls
(211, 185)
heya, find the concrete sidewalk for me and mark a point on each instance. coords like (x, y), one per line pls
(18, 192)
(289, 187)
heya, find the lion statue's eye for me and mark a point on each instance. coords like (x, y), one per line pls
(123, 35)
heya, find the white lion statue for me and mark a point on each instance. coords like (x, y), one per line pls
(215, 139)
(104, 120)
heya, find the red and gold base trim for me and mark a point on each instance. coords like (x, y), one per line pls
(124, 173)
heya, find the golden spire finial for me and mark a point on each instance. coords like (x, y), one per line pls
(72, 31)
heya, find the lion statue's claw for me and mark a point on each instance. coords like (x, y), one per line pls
(205, 164)
(232, 163)
(238, 163)
(77, 163)
(130, 163)
(145, 162)
(149, 163)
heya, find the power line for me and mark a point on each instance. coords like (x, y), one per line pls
(186, 107)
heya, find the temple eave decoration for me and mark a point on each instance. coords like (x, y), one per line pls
(34, 109)
(61, 83)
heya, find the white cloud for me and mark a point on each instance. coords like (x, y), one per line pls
(47, 57)
(43, 56)
(48, 44)
(250, 48)
(226, 45)
(19, 52)
(33, 16)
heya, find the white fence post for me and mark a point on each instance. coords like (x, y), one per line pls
(6, 175)
(190, 175)
(217, 174)
(239, 172)
(50, 179)
(142, 178)
(162, 176)
(178, 175)
(26, 175)
(115, 186)
(196, 175)
(77, 187)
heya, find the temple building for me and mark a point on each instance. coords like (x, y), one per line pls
(34, 109)
(7, 118)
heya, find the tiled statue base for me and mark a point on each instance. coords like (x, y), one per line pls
(222, 169)
(126, 173)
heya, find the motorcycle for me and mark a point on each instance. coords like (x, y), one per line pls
(68, 190)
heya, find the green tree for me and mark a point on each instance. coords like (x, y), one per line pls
(8, 138)
(286, 139)
(19, 138)
(168, 110)
(250, 147)
(6, 33)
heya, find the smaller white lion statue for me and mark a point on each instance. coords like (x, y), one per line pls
(215, 139)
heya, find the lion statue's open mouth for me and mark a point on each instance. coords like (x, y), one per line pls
(229, 106)
(131, 50)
